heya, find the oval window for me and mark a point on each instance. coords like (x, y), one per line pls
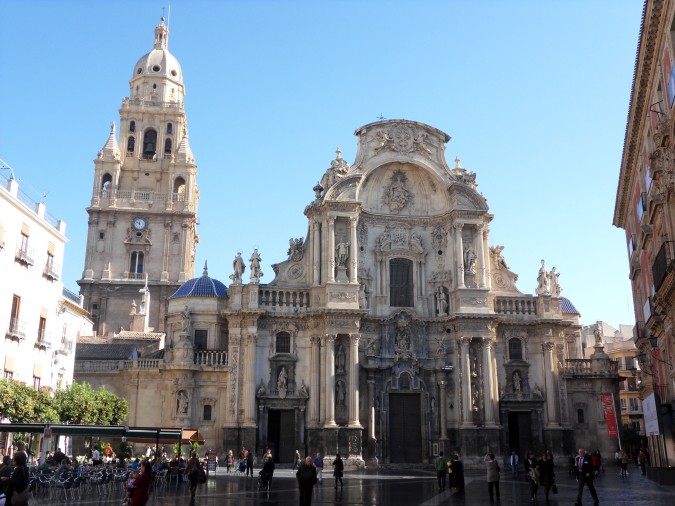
(174, 73)
(155, 68)
(139, 70)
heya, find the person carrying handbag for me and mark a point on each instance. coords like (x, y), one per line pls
(17, 484)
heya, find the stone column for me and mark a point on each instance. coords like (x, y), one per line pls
(442, 407)
(459, 253)
(488, 375)
(478, 247)
(371, 405)
(354, 418)
(353, 253)
(548, 348)
(329, 383)
(249, 383)
(331, 249)
(321, 384)
(466, 382)
(486, 255)
(316, 248)
(315, 382)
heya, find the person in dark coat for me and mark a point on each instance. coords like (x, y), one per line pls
(532, 469)
(18, 482)
(5, 472)
(249, 463)
(546, 473)
(585, 475)
(193, 471)
(457, 474)
(142, 485)
(339, 466)
(306, 476)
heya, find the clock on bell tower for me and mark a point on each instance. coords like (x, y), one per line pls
(143, 211)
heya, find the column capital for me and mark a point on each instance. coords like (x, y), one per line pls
(354, 338)
(329, 339)
(251, 338)
(458, 226)
(465, 342)
(354, 219)
(548, 346)
(489, 342)
(331, 220)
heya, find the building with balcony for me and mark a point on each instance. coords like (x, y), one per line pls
(40, 320)
(644, 209)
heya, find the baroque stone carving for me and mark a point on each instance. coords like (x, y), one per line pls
(342, 296)
(397, 196)
(399, 237)
(296, 249)
(403, 139)
(497, 257)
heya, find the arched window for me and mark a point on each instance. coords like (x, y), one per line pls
(149, 144)
(136, 263)
(283, 342)
(167, 147)
(580, 416)
(400, 282)
(169, 128)
(131, 144)
(106, 182)
(515, 349)
(207, 412)
(132, 126)
(179, 189)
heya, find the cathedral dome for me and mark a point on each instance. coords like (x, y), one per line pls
(159, 62)
(203, 286)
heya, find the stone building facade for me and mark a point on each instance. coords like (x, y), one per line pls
(392, 329)
(644, 209)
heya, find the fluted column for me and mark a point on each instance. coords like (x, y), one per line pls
(548, 348)
(478, 247)
(329, 383)
(353, 255)
(314, 382)
(316, 245)
(321, 384)
(486, 255)
(354, 419)
(466, 382)
(249, 384)
(442, 407)
(488, 375)
(371, 405)
(331, 249)
(459, 253)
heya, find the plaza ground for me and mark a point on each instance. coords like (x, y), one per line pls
(392, 487)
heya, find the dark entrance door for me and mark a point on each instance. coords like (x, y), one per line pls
(520, 432)
(405, 428)
(281, 434)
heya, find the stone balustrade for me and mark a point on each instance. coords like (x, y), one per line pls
(516, 305)
(116, 365)
(583, 366)
(283, 298)
(211, 358)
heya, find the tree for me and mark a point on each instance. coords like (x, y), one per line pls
(79, 404)
(113, 409)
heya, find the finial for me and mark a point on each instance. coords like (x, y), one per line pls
(457, 164)
(112, 127)
(338, 153)
(205, 274)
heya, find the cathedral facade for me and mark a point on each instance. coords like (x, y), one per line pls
(392, 330)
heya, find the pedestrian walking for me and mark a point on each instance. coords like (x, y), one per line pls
(546, 473)
(585, 476)
(296, 459)
(318, 463)
(532, 469)
(307, 478)
(249, 464)
(624, 464)
(513, 460)
(492, 476)
(441, 471)
(339, 466)
(457, 467)
(642, 460)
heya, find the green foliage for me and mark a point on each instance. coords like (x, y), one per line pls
(124, 451)
(177, 449)
(79, 404)
(23, 404)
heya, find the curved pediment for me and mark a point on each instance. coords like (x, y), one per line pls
(466, 198)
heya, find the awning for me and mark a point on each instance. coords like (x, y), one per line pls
(133, 434)
(192, 436)
(150, 435)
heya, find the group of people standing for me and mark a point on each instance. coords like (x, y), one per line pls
(450, 470)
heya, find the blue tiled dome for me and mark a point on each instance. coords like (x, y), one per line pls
(568, 307)
(201, 287)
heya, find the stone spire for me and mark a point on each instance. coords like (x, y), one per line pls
(161, 35)
(184, 153)
(111, 150)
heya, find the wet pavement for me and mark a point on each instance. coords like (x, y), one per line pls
(388, 487)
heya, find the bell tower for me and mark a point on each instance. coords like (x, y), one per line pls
(143, 211)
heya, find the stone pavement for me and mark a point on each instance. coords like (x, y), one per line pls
(390, 487)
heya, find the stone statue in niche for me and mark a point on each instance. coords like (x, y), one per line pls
(517, 383)
(340, 393)
(598, 336)
(397, 196)
(303, 390)
(282, 383)
(441, 301)
(370, 345)
(543, 281)
(261, 389)
(255, 259)
(182, 403)
(469, 259)
(239, 268)
(363, 298)
(342, 253)
(187, 319)
(402, 345)
(340, 359)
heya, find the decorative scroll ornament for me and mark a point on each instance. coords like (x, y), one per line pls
(403, 139)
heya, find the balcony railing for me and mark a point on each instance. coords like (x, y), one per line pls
(44, 340)
(136, 275)
(52, 271)
(210, 358)
(17, 329)
(283, 298)
(516, 305)
(664, 262)
(24, 255)
(66, 347)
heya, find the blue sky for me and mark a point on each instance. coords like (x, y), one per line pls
(533, 93)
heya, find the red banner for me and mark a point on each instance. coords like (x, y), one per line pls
(610, 414)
